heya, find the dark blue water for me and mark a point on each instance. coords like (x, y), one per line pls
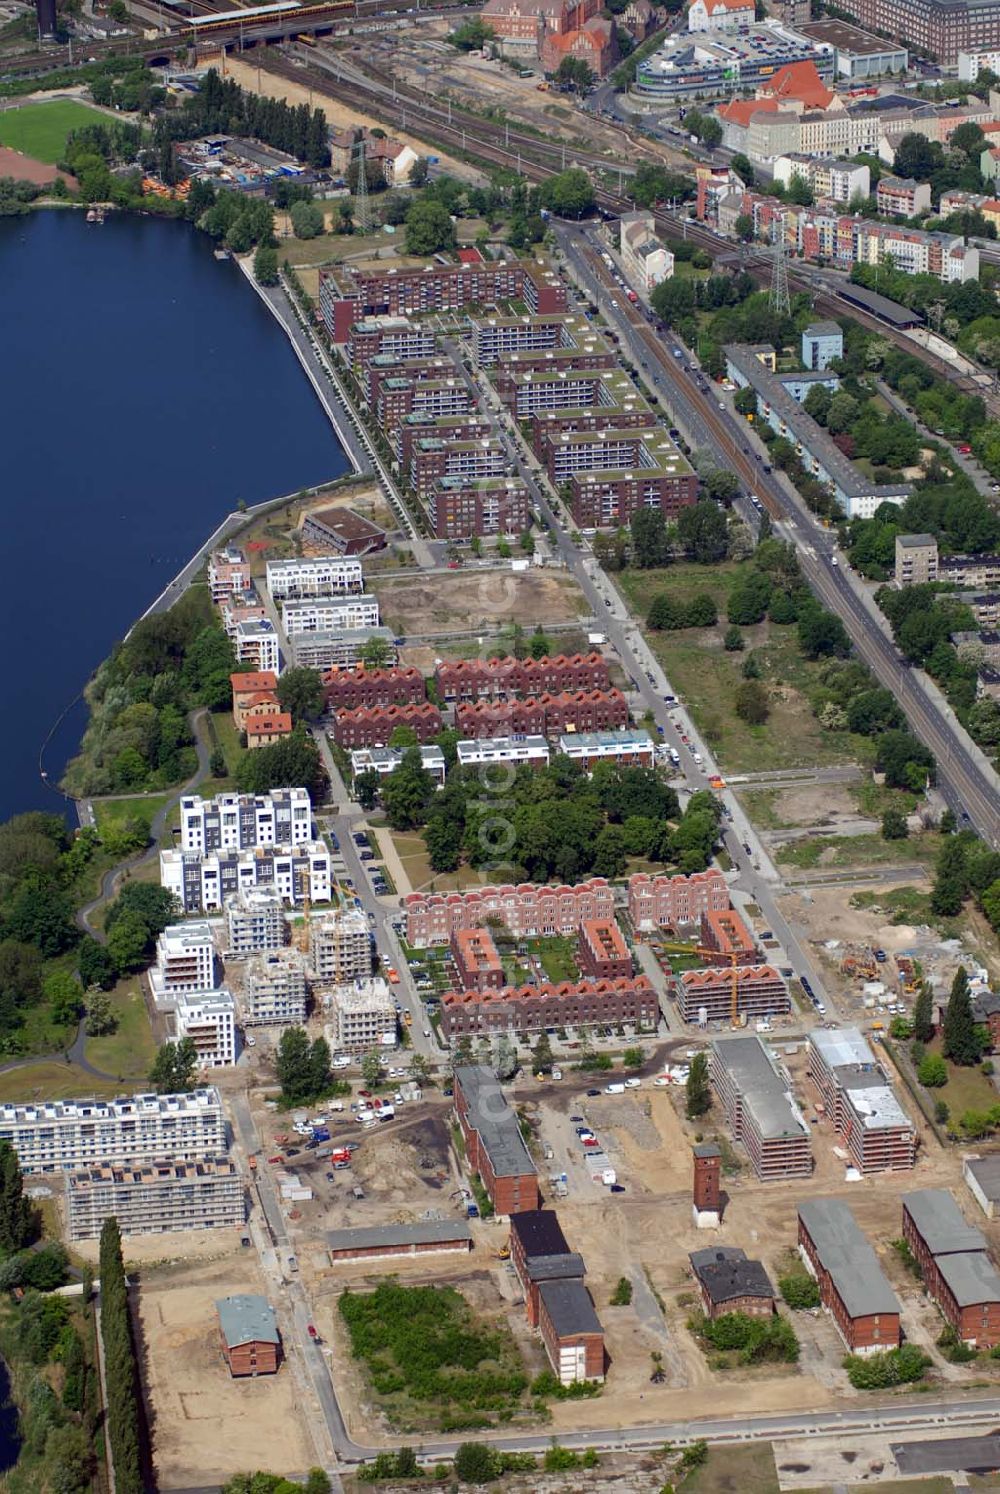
(144, 390)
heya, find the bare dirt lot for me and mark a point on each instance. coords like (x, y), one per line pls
(205, 1425)
(488, 600)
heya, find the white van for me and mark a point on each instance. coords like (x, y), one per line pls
(614, 1089)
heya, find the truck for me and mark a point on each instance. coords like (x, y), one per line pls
(321, 1134)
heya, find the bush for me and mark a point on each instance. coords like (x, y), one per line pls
(902, 1366)
(954, 1349)
(622, 1294)
(757, 1340)
(799, 1290)
(932, 1071)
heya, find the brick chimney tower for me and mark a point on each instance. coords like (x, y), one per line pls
(707, 1185)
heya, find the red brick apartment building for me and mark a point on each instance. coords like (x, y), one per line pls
(760, 992)
(461, 505)
(662, 902)
(424, 401)
(420, 426)
(598, 500)
(729, 1282)
(372, 726)
(957, 1270)
(411, 371)
(851, 1285)
(476, 959)
(760, 1110)
(500, 718)
(346, 689)
(494, 1145)
(533, 1008)
(548, 425)
(345, 296)
(861, 1102)
(527, 910)
(601, 951)
(723, 929)
(248, 1335)
(544, 715)
(498, 679)
(395, 335)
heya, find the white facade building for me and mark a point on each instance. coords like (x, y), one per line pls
(202, 883)
(238, 822)
(645, 260)
(209, 1020)
(319, 576)
(971, 64)
(274, 992)
(363, 1017)
(256, 643)
(62, 1135)
(185, 960)
(330, 614)
(384, 760)
(479, 751)
(720, 15)
(255, 921)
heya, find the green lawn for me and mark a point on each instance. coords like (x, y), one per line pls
(113, 813)
(734, 1470)
(130, 1050)
(222, 731)
(967, 1089)
(40, 130)
(54, 1081)
(832, 851)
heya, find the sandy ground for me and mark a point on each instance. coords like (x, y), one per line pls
(489, 599)
(806, 804)
(338, 115)
(205, 1425)
(207, 1245)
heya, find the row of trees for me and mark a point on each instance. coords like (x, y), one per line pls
(121, 1370)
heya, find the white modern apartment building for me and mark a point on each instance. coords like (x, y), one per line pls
(185, 960)
(837, 180)
(208, 1018)
(362, 1017)
(255, 921)
(319, 576)
(329, 614)
(203, 883)
(274, 992)
(65, 1135)
(479, 752)
(256, 643)
(340, 947)
(152, 1198)
(238, 822)
(383, 760)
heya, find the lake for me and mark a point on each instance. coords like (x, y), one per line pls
(144, 390)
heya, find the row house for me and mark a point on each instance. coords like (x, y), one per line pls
(527, 910)
(723, 930)
(497, 679)
(492, 718)
(459, 506)
(760, 1108)
(716, 995)
(347, 689)
(851, 1283)
(494, 1146)
(957, 1270)
(477, 960)
(601, 951)
(871, 1122)
(580, 1004)
(547, 715)
(203, 882)
(372, 726)
(675, 902)
(627, 749)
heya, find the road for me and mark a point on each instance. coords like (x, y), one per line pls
(967, 780)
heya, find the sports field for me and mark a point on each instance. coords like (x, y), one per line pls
(40, 130)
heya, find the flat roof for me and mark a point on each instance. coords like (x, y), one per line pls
(941, 1223)
(986, 1171)
(847, 1256)
(495, 1121)
(971, 1277)
(569, 1307)
(881, 306)
(829, 328)
(420, 1232)
(539, 1232)
(916, 541)
(247, 1319)
(764, 1092)
(848, 38)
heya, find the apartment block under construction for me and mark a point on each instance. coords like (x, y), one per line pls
(705, 996)
(760, 1108)
(155, 1198)
(861, 1102)
(340, 947)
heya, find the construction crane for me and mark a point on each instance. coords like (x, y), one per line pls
(302, 933)
(716, 956)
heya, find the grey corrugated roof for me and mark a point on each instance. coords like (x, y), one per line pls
(556, 1267)
(245, 1319)
(986, 1171)
(726, 1273)
(941, 1223)
(421, 1232)
(569, 1307)
(971, 1276)
(765, 1094)
(847, 1256)
(495, 1121)
(824, 329)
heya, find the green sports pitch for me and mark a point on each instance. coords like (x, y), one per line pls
(40, 130)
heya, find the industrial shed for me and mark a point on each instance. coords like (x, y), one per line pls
(424, 1237)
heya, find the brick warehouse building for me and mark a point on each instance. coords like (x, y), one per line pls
(390, 1241)
(601, 951)
(476, 959)
(571, 1331)
(851, 1285)
(956, 1267)
(567, 1004)
(248, 1335)
(345, 296)
(498, 679)
(658, 902)
(539, 1252)
(528, 910)
(494, 1145)
(347, 689)
(861, 1102)
(372, 726)
(729, 1282)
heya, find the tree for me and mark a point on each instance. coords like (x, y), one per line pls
(699, 1092)
(471, 35)
(650, 543)
(174, 1067)
(96, 968)
(917, 157)
(371, 1068)
(476, 1463)
(101, 1016)
(932, 1071)
(923, 1014)
(950, 887)
(703, 531)
(569, 193)
(300, 693)
(541, 1054)
(752, 703)
(303, 1068)
(41, 914)
(129, 942)
(894, 826)
(17, 1217)
(744, 228)
(308, 221)
(575, 74)
(732, 640)
(609, 852)
(743, 167)
(960, 1041)
(291, 760)
(633, 1058)
(366, 787)
(374, 653)
(443, 843)
(265, 265)
(420, 172)
(822, 635)
(407, 792)
(429, 228)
